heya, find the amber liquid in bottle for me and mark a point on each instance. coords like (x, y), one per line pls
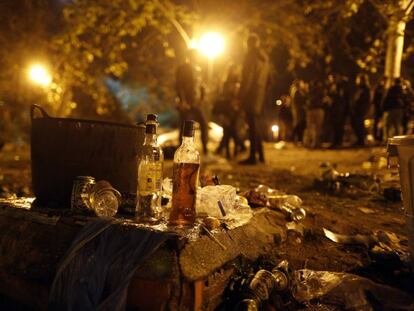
(185, 180)
(185, 176)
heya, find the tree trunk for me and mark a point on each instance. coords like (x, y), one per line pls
(395, 39)
(395, 46)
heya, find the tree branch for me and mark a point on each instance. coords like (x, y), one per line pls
(170, 16)
(409, 8)
(379, 10)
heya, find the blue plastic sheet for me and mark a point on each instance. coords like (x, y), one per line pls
(97, 269)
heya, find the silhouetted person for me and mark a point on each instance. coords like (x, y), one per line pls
(285, 118)
(379, 94)
(315, 115)
(252, 95)
(227, 108)
(299, 102)
(328, 126)
(359, 107)
(190, 93)
(339, 108)
(408, 101)
(393, 108)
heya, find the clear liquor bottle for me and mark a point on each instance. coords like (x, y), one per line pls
(185, 179)
(150, 170)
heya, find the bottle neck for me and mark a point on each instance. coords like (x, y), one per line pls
(150, 139)
(187, 141)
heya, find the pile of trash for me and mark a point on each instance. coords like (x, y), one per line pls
(289, 204)
(335, 182)
(352, 184)
(285, 289)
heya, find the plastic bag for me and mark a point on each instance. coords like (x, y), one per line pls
(217, 201)
(349, 291)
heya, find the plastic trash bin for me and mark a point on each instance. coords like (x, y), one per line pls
(403, 148)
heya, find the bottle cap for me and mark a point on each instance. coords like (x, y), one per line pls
(189, 126)
(152, 117)
(151, 128)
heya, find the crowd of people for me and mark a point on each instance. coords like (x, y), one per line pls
(240, 101)
(315, 113)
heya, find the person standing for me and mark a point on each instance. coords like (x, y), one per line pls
(408, 108)
(315, 115)
(393, 108)
(190, 96)
(285, 118)
(328, 122)
(340, 107)
(253, 88)
(379, 94)
(299, 103)
(359, 107)
(227, 110)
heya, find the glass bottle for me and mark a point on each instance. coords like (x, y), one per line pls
(185, 179)
(150, 170)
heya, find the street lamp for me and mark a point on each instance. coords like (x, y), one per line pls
(211, 44)
(39, 75)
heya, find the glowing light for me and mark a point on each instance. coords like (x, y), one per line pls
(278, 102)
(211, 44)
(39, 75)
(193, 45)
(368, 122)
(275, 131)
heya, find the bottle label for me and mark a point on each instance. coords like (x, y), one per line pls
(149, 178)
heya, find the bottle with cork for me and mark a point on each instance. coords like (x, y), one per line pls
(185, 179)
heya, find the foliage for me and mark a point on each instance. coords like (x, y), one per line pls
(24, 33)
(141, 41)
(120, 39)
(356, 31)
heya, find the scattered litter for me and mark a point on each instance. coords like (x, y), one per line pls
(255, 290)
(367, 240)
(307, 289)
(275, 199)
(280, 145)
(211, 223)
(211, 236)
(348, 291)
(209, 196)
(295, 227)
(366, 210)
(378, 242)
(96, 197)
(338, 183)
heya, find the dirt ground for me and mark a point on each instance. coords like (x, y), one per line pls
(351, 212)
(293, 170)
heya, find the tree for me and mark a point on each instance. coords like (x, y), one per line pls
(140, 40)
(24, 32)
(397, 14)
(109, 38)
(394, 14)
